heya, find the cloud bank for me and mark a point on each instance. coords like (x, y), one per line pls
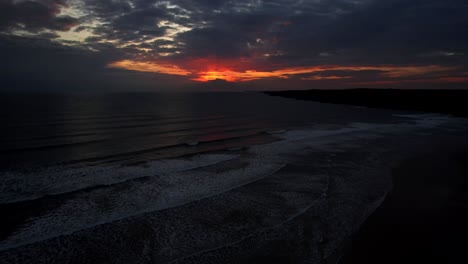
(175, 44)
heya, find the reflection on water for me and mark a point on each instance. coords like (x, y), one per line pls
(49, 129)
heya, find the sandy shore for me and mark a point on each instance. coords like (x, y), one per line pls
(423, 220)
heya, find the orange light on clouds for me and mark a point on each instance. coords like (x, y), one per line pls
(436, 80)
(204, 70)
(454, 79)
(229, 76)
(235, 76)
(398, 72)
(149, 67)
(317, 78)
(387, 71)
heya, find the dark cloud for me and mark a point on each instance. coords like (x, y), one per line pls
(268, 34)
(34, 64)
(214, 42)
(34, 15)
(144, 20)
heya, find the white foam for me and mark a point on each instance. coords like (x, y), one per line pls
(429, 120)
(114, 203)
(178, 182)
(17, 187)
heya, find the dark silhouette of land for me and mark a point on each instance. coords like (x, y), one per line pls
(452, 102)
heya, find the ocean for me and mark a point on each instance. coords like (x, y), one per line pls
(45, 130)
(180, 178)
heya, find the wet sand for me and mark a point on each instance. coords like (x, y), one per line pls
(423, 219)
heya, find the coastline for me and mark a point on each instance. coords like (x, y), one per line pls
(423, 219)
(296, 199)
(423, 216)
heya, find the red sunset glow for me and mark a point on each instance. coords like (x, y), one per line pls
(243, 70)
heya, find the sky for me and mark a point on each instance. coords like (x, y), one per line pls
(183, 45)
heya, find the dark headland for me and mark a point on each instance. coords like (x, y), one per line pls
(451, 102)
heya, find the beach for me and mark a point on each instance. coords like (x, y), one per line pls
(296, 198)
(423, 219)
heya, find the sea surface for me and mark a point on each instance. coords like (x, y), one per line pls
(192, 178)
(48, 129)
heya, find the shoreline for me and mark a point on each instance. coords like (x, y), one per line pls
(316, 189)
(424, 216)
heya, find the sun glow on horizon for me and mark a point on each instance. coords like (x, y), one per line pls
(206, 72)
